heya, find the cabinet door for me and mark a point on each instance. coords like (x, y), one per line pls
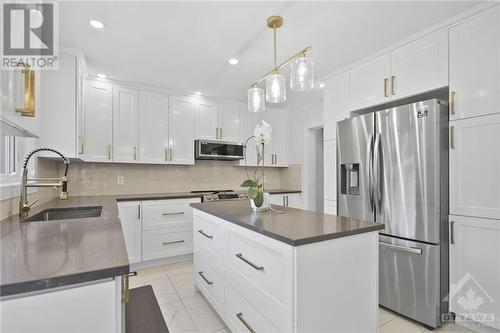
(181, 130)
(130, 217)
(80, 107)
(420, 66)
(475, 266)
(329, 170)
(153, 127)
(58, 101)
(229, 122)
(281, 138)
(125, 124)
(206, 120)
(474, 167)
(98, 121)
(335, 103)
(370, 83)
(475, 65)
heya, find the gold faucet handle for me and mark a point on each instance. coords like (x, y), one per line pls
(34, 202)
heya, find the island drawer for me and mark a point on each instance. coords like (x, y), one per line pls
(241, 316)
(158, 214)
(262, 270)
(209, 278)
(209, 231)
(165, 243)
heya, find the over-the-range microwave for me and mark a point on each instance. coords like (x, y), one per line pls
(218, 150)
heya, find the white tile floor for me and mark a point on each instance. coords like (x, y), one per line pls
(187, 311)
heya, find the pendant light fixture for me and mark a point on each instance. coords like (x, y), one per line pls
(302, 75)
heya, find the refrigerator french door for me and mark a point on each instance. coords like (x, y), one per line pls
(392, 169)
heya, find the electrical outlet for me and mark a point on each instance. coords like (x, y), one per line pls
(120, 180)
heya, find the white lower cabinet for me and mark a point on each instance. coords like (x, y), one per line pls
(157, 229)
(264, 285)
(287, 200)
(89, 307)
(475, 269)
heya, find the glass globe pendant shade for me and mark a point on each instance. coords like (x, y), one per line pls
(256, 99)
(302, 74)
(276, 88)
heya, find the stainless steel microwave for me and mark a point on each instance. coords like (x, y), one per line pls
(218, 150)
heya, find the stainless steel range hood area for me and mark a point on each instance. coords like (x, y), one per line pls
(218, 150)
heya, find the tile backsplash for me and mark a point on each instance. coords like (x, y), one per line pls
(104, 179)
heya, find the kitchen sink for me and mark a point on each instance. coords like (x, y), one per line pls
(67, 213)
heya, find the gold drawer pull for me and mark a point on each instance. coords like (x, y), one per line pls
(240, 256)
(175, 213)
(204, 234)
(173, 242)
(452, 102)
(386, 81)
(204, 278)
(393, 78)
(247, 325)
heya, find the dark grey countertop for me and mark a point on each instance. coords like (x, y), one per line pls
(42, 255)
(294, 226)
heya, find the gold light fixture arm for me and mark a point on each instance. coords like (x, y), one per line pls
(301, 53)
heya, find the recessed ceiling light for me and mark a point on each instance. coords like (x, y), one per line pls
(102, 76)
(322, 85)
(96, 24)
(233, 61)
(198, 93)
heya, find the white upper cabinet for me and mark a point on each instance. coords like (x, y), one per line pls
(206, 120)
(474, 166)
(475, 66)
(420, 66)
(229, 122)
(125, 121)
(153, 127)
(180, 130)
(61, 102)
(370, 83)
(98, 121)
(281, 138)
(335, 103)
(329, 170)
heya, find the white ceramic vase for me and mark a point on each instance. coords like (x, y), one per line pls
(265, 205)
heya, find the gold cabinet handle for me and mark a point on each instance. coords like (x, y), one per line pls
(171, 154)
(204, 278)
(135, 153)
(386, 81)
(452, 102)
(452, 137)
(393, 79)
(245, 260)
(166, 155)
(247, 325)
(220, 133)
(216, 133)
(173, 242)
(109, 152)
(80, 151)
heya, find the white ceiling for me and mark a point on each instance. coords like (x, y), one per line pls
(185, 46)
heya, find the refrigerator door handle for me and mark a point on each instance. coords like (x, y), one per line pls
(402, 248)
(377, 160)
(370, 173)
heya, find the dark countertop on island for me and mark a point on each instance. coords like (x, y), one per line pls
(294, 226)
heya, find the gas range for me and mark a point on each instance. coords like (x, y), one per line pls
(219, 195)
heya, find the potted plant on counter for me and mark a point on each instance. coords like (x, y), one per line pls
(259, 198)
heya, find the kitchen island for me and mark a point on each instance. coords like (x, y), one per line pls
(292, 271)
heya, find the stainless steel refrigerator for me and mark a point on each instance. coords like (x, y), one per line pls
(392, 168)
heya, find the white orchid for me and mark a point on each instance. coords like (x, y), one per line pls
(263, 133)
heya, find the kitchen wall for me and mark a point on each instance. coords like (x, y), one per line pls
(102, 178)
(45, 168)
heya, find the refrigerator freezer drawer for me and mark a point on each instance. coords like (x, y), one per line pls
(410, 279)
